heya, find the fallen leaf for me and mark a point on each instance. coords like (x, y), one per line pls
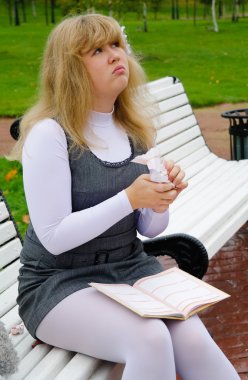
(10, 175)
(26, 219)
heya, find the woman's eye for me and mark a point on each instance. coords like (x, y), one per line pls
(115, 44)
(97, 51)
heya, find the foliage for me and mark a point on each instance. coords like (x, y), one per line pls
(12, 187)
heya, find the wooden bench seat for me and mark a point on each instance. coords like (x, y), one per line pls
(212, 208)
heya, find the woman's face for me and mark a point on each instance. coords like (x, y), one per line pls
(108, 69)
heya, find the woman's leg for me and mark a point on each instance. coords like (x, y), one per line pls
(91, 323)
(197, 356)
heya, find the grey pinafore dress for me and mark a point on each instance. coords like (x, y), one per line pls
(116, 256)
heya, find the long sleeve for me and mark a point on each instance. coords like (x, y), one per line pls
(151, 223)
(47, 184)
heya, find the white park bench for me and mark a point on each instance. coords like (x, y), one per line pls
(212, 209)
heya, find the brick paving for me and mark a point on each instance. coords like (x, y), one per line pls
(227, 321)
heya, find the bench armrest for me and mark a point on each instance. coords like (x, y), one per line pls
(189, 253)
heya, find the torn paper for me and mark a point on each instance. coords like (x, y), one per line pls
(153, 160)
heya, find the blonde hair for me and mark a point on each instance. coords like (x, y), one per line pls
(66, 89)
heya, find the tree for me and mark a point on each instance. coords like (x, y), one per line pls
(33, 2)
(53, 11)
(23, 10)
(155, 5)
(145, 17)
(9, 5)
(16, 13)
(235, 10)
(216, 29)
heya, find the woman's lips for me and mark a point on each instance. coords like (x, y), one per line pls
(119, 70)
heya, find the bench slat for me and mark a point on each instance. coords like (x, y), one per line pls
(25, 346)
(171, 91)
(9, 252)
(7, 232)
(175, 128)
(51, 364)
(172, 116)
(198, 210)
(158, 83)
(79, 367)
(17, 339)
(11, 318)
(170, 104)
(30, 362)
(208, 189)
(4, 214)
(102, 373)
(7, 299)
(9, 275)
(225, 231)
(180, 140)
(179, 154)
(199, 166)
(196, 156)
(173, 103)
(209, 179)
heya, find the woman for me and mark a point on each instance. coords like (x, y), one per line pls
(86, 199)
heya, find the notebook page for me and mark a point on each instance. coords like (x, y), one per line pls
(134, 299)
(181, 290)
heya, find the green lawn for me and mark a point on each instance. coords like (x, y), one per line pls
(211, 65)
(13, 191)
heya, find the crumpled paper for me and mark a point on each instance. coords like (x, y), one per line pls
(153, 160)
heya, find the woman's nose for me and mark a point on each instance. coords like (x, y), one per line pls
(113, 56)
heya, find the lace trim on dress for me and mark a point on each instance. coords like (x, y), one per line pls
(116, 164)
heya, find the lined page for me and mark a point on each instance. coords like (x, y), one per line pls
(135, 299)
(180, 290)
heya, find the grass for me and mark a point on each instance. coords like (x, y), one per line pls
(211, 65)
(12, 187)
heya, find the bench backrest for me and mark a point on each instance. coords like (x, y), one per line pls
(178, 135)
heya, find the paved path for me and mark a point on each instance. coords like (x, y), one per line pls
(228, 321)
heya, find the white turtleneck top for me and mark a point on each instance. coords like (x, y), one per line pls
(47, 185)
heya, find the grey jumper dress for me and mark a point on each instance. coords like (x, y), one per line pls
(116, 256)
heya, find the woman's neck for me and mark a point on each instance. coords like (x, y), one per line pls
(103, 105)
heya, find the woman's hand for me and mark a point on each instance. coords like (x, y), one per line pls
(144, 193)
(175, 175)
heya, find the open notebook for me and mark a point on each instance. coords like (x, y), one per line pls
(170, 294)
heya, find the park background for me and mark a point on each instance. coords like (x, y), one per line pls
(171, 37)
(180, 41)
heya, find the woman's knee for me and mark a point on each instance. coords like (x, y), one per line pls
(153, 335)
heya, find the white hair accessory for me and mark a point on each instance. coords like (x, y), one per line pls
(124, 37)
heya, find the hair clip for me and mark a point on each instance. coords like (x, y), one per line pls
(124, 37)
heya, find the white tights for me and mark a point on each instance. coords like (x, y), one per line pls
(151, 349)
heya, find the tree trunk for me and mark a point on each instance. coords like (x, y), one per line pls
(194, 12)
(23, 11)
(16, 12)
(187, 8)
(10, 11)
(216, 29)
(34, 8)
(53, 11)
(145, 17)
(177, 9)
(46, 12)
(173, 9)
